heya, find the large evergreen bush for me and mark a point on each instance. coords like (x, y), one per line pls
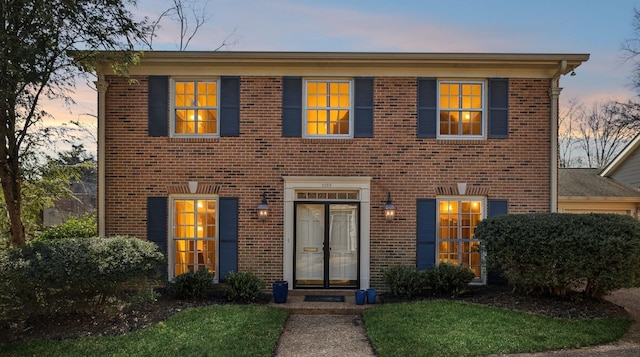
(559, 253)
(70, 275)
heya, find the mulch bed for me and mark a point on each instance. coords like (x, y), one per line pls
(102, 324)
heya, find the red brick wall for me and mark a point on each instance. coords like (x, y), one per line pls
(138, 166)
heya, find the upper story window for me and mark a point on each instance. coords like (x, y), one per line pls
(195, 108)
(328, 108)
(461, 109)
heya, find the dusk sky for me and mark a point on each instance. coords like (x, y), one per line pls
(596, 27)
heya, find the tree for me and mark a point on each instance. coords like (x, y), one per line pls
(631, 49)
(189, 19)
(38, 39)
(83, 161)
(567, 135)
(603, 134)
(597, 133)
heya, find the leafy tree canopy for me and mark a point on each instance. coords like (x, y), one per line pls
(38, 40)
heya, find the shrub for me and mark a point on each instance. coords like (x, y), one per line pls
(244, 287)
(450, 279)
(48, 277)
(405, 281)
(74, 227)
(558, 253)
(192, 285)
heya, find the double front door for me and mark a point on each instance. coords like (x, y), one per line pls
(326, 245)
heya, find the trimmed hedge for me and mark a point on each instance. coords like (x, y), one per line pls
(450, 279)
(74, 227)
(244, 287)
(405, 281)
(445, 279)
(192, 285)
(70, 275)
(558, 252)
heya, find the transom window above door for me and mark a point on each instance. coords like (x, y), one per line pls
(461, 109)
(328, 106)
(195, 108)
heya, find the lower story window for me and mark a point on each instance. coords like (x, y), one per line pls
(194, 238)
(457, 220)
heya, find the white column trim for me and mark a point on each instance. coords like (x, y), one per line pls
(362, 184)
(101, 86)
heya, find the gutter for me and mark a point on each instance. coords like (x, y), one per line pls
(554, 92)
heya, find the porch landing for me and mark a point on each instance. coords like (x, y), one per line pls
(296, 305)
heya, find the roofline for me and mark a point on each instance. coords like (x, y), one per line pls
(547, 62)
(599, 199)
(621, 157)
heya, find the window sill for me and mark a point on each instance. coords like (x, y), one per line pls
(327, 141)
(462, 141)
(193, 139)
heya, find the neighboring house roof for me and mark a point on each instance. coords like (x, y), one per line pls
(587, 183)
(621, 157)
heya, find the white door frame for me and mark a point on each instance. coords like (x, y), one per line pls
(327, 183)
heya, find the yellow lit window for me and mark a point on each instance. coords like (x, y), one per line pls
(328, 106)
(196, 107)
(461, 108)
(194, 235)
(457, 220)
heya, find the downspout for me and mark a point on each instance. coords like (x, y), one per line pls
(554, 92)
(102, 86)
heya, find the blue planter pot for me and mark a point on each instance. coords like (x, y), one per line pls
(371, 296)
(280, 291)
(360, 297)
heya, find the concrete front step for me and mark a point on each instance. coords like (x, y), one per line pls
(296, 305)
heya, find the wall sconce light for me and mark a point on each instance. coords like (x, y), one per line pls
(263, 208)
(389, 208)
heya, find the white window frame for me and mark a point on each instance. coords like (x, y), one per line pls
(485, 101)
(483, 215)
(173, 107)
(171, 248)
(305, 108)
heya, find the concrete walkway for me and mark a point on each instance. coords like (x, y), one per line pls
(344, 335)
(324, 335)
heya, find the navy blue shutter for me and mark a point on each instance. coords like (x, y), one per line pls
(292, 106)
(497, 207)
(230, 106)
(158, 105)
(228, 240)
(427, 107)
(498, 108)
(426, 233)
(157, 227)
(363, 115)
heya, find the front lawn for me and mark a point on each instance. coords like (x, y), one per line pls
(217, 330)
(451, 328)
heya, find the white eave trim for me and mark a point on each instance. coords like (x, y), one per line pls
(621, 157)
(538, 65)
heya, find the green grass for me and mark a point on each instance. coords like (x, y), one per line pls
(219, 330)
(449, 328)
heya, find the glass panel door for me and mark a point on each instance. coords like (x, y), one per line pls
(326, 245)
(309, 244)
(343, 245)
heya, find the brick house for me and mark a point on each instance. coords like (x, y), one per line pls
(193, 143)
